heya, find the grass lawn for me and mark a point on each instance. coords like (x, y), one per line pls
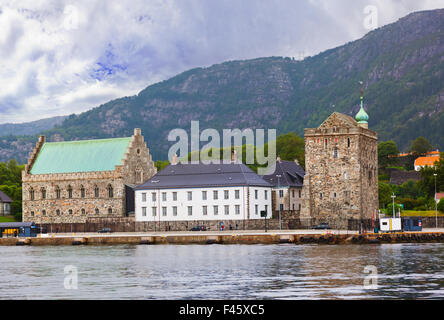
(7, 219)
(412, 213)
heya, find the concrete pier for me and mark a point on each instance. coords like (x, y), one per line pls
(238, 237)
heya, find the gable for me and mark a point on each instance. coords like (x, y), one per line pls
(337, 119)
(80, 156)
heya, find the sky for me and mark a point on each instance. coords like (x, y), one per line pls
(59, 57)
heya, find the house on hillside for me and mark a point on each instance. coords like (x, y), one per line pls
(71, 181)
(5, 204)
(423, 162)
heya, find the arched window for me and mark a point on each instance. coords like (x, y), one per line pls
(70, 211)
(97, 211)
(57, 192)
(110, 210)
(82, 191)
(110, 191)
(69, 192)
(58, 212)
(31, 194)
(43, 212)
(348, 142)
(96, 191)
(83, 211)
(43, 191)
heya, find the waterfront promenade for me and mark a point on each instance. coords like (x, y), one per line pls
(230, 237)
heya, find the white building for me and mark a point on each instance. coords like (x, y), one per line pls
(203, 192)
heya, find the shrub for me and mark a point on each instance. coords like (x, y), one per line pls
(441, 205)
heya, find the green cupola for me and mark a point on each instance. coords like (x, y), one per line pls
(362, 116)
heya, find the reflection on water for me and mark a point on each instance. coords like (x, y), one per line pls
(405, 271)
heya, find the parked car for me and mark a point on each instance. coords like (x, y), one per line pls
(105, 230)
(199, 228)
(322, 226)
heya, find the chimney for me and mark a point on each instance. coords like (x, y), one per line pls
(174, 160)
(233, 156)
(137, 132)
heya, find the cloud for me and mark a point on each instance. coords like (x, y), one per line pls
(63, 57)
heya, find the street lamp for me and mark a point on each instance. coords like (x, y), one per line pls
(436, 204)
(279, 200)
(393, 197)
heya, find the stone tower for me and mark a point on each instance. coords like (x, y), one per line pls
(341, 180)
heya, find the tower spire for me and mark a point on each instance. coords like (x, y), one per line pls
(362, 116)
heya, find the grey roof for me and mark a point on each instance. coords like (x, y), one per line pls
(292, 175)
(4, 198)
(16, 224)
(196, 175)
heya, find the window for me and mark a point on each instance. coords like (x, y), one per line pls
(321, 196)
(334, 195)
(266, 194)
(190, 210)
(82, 192)
(215, 210)
(32, 213)
(31, 194)
(293, 206)
(96, 191)
(58, 192)
(204, 195)
(44, 212)
(164, 211)
(205, 210)
(97, 211)
(110, 210)
(58, 212)
(335, 153)
(190, 195)
(281, 193)
(256, 209)
(69, 192)
(144, 197)
(175, 211)
(174, 196)
(70, 211)
(292, 193)
(154, 211)
(237, 209)
(215, 195)
(326, 143)
(348, 142)
(281, 207)
(237, 194)
(164, 196)
(43, 193)
(153, 196)
(227, 210)
(345, 175)
(110, 191)
(299, 207)
(226, 194)
(143, 211)
(83, 211)
(255, 194)
(300, 193)
(266, 209)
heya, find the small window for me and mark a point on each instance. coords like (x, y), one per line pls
(256, 209)
(58, 193)
(144, 197)
(266, 194)
(164, 211)
(226, 194)
(348, 142)
(154, 211)
(83, 212)
(82, 192)
(69, 192)
(174, 196)
(255, 194)
(70, 211)
(175, 211)
(110, 191)
(31, 194)
(281, 193)
(96, 191)
(97, 211)
(204, 195)
(215, 195)
(143, 211)
(237, 209)
(321, 195)
(44, 212)
(190, 211)
(281, 207)
(204, 210)
(43, 193)
(227, 210)
(335, 153)
(58, 212)
(215, 210)
(237, 194)
(190, 195)
(164, 196)
(32, 213)
(153, 196)
(110, 210)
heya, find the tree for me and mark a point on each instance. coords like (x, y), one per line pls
(385, 150)
(441, 205)
(427, 183)
(420, 146)
(385, 194)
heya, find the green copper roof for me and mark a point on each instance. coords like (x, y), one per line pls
(362, 116)
(80, 156)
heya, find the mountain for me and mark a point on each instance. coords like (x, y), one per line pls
(28, 128)
(401, 65)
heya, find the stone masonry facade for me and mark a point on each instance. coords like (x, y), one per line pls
(76, 197)
(341, 180)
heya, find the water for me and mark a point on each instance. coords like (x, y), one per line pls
(405, 271)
